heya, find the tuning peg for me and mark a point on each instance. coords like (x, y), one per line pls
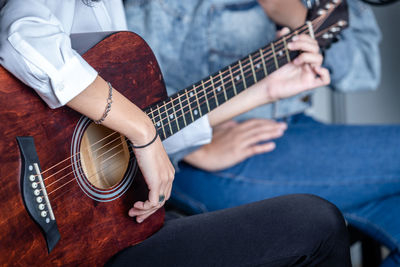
(328, 6)
(321, 12)
(342, 23)
(327, 35)
(334, 29)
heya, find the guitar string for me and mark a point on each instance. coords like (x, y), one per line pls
(66, 175)
(50, 192)
(222, 81)
(259, 59)
(87, 149)
(160, 114)
(194, 88)
(276, 45)
(101, 162)
(320, 18)
(119, 137)
(278, 42)
(73, 194)
(93, 159)
(96, 173)
(116, 166)
(205, 95)
(165, 124)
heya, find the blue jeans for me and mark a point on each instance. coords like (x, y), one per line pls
(355, 167)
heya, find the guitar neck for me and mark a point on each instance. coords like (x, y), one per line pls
(195, 101)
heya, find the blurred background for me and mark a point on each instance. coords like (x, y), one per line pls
(369, 107)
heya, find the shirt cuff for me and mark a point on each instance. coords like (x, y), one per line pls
(196, 134)
(76, 75)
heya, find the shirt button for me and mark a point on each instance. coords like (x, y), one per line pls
(60, 87)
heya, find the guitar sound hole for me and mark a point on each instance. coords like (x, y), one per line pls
(104, 156)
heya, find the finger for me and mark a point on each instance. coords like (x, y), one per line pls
(139, 205)
(308, 58)
(226, 125)
(154, 195)
(323, 73)
(259, 149)
(304, 38)
(168, 192)
(263, 128)
(143, 217)
(137, 212)
(306, 46)
(257, 123)
(282, 32)
(148, 204)
(263, 136)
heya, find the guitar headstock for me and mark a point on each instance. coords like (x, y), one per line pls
(329, 18)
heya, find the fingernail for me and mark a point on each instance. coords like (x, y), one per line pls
(295, 38)
(139, 220)
(290, 45)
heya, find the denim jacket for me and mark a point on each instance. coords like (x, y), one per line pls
(192, 39)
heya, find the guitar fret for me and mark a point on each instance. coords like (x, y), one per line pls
(152, 116)
(233, 82)
(186, 107)
(215, 91)
(197, 100)
(190, 105)
(160, 121)
(175, 116)
(244, 78)
(273, 52)
(183, 113)
(252, 68)
(205, 95)
(263, 62)
(167, 115)
(286, 49)
(223, 85)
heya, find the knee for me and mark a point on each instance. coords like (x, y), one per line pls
(322, 218)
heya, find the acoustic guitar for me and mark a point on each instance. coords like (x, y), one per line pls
(67, 183)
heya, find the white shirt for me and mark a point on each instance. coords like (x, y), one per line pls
(35, 46)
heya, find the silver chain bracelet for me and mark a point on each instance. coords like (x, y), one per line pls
(108, 107)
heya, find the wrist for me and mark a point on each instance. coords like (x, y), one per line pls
(141, 131)
(299, 17)
(263, 93)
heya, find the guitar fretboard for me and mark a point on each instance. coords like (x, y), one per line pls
(193, 102)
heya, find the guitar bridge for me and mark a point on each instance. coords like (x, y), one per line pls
(34, 192)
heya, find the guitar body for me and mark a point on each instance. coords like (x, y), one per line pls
(91, 231)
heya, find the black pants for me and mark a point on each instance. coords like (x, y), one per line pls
(293, 230)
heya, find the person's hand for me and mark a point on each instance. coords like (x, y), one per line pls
(158, 173)
(303, 73)
(290, 13)
(234, 142)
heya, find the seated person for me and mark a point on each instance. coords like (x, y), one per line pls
(355, 167)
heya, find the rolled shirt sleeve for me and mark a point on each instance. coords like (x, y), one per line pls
(35, 48)
(196, 134)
